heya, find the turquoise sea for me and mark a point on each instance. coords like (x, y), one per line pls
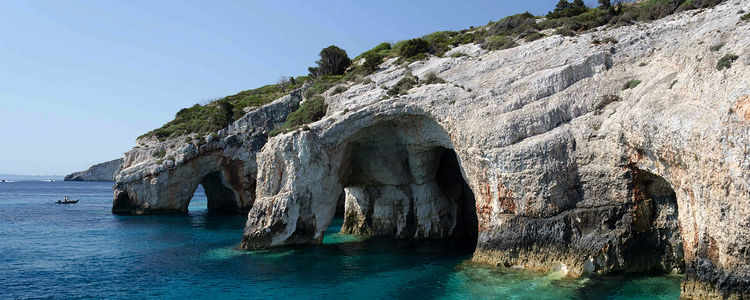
(82, 251)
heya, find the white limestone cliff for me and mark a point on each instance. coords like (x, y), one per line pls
(563, 167)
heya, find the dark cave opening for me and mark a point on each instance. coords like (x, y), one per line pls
(404, 190)
(219, 198)
(656, 244)
(451, 182)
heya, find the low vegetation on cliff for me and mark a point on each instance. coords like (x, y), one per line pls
(726, 61)
(309, 111)
(218, 114)
(335, 67)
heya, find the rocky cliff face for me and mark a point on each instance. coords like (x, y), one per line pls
(539, 151)
(105, 171)
(161, 177)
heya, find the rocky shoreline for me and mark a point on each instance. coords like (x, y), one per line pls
(562, 168)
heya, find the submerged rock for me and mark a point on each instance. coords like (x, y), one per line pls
(536, 150)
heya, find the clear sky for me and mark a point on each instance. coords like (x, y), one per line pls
(79, 81)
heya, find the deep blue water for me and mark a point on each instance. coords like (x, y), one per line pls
(83, 251)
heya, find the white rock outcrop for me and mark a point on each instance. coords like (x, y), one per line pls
(161, 177)
(106, 171)
(538, 151)
(567, 168)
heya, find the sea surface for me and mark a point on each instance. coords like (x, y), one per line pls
(82, 251)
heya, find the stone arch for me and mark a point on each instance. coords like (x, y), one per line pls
(388, 167)
(171, 190)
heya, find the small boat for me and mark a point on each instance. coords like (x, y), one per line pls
(66, 200)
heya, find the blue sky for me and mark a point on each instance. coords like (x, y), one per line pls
(79, 81)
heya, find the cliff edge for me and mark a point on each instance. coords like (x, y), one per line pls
(105, 171)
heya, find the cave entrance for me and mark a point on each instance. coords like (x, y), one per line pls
(398, 185)
(218, 197)
(657, 243)
(451, 182)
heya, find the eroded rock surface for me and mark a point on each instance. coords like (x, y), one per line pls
(568, 170)
(565, 169)
(161, 177)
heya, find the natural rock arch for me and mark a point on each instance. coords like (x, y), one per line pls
(172, 190)
(387, 166)
(162, 176)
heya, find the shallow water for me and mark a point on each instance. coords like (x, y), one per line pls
(83, 251)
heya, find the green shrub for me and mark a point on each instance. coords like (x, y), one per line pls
(656, 9)
(413, 47)
(372, 62)
(565, 32)
(403, 86)
(338, 90)
(726, 62)
(458, 54)
(309, 111)
(551, 23)
(321, 84)
(716, 47)
(534, 37)
(439, 42)
(631, 84)
(511, 25)
(383, 49)
(275, 131)
(466, 37)
(745, 17)
(590, 19)
(431, 78)
(499, 43)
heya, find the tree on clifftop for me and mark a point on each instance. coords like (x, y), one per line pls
(565, 9)
(579, 7)
(333, 61)
(561, 6)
